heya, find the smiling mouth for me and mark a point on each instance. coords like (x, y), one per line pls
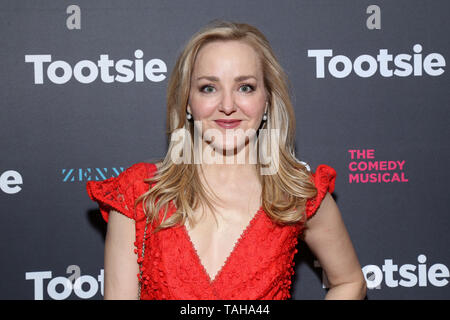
(228, 124)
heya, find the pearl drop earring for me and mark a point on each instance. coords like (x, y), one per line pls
(265, 113)
(188, 116)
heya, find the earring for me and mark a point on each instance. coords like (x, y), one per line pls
(265, 113)
(188, 116)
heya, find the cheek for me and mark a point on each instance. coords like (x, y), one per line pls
(253, 107)
(203, 107)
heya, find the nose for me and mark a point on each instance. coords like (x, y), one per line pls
(227, 104)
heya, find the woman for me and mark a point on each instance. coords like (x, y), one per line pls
(189, 229)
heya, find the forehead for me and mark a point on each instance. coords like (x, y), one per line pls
(231, 56)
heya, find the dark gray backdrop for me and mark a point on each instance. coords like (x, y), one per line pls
(55, 137)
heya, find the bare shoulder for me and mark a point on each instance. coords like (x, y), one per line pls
(327, 213)
(327, 204)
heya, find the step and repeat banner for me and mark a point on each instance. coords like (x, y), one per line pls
(83, 87)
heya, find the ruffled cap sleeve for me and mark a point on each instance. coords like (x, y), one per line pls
(324, 179)
(118, 193)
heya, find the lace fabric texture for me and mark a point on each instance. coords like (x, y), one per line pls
(259, 267)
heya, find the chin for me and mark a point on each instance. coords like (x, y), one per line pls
(229, 147)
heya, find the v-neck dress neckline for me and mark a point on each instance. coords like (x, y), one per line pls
(230, 255)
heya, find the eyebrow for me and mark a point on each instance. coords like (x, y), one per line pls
(237, 79)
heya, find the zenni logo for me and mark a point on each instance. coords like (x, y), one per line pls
(88, 174)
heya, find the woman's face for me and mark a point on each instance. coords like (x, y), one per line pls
(227, 84)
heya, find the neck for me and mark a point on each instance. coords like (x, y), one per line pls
(227, 168)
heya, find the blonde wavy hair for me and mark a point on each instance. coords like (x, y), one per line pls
(284, 193)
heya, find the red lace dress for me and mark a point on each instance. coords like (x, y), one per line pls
(259, 267)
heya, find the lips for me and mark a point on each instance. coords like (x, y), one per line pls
(228, 123)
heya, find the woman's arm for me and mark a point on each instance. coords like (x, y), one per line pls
(121, 267)
(328, 239)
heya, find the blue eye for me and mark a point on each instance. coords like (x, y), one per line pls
(207, 89)
(246, 88)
